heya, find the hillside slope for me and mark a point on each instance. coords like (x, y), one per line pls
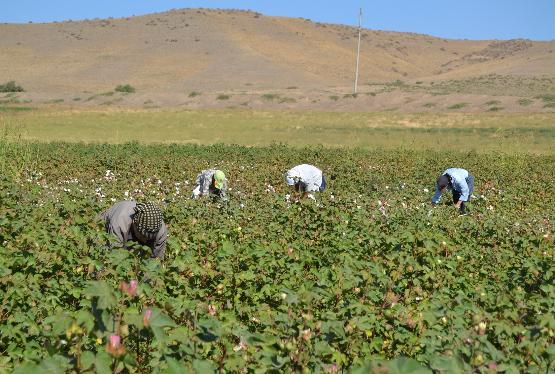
(217, 50)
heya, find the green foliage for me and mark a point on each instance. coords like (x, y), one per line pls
(495, 109)
(525, 102)
(270, 97)
(102, 94)
(287, 100)
(126, 88)
(397, 83)
(367, 277)
(546, 98)
(334, 97)
(457, 106)
(194, 94)
(15, 108)
(493, 102)
(10, 87)
(223, 97)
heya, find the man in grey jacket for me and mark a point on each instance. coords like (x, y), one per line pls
(138, 222)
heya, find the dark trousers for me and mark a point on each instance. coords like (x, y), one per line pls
(457, 194)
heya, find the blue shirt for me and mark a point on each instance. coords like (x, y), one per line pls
(458, 180)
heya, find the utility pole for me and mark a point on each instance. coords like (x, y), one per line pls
(358, 49)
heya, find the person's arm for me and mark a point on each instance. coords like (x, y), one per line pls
(159, 248)
(437, 196)
(119, 229)
(196, 192)
(119, 222)
(205, 182)
(312, 187)
(223, 191)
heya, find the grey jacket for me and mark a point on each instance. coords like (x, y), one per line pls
(118, 221)
(204, 180)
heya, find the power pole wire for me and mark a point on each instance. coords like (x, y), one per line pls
(358, 49)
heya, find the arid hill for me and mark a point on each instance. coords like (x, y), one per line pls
(167, 56)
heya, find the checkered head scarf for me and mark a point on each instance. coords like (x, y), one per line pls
(147, 219)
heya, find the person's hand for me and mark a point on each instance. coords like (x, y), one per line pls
(458, 204)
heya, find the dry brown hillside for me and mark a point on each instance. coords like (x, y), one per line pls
(166, 56)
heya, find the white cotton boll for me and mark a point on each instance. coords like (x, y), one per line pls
(426, 190)
(241, 205)
(332, 197)
(311, 196)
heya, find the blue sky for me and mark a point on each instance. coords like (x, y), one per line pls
(459, 19)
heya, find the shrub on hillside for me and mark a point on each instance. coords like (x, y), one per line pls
(457, 106)
(127, 88)
(10, 87)
(270, 96)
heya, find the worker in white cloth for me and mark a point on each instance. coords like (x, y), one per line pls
(306, 179)
(138, 222)
(460, 182)
(211, 182)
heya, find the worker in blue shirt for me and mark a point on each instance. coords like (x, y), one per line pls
(458, 180)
